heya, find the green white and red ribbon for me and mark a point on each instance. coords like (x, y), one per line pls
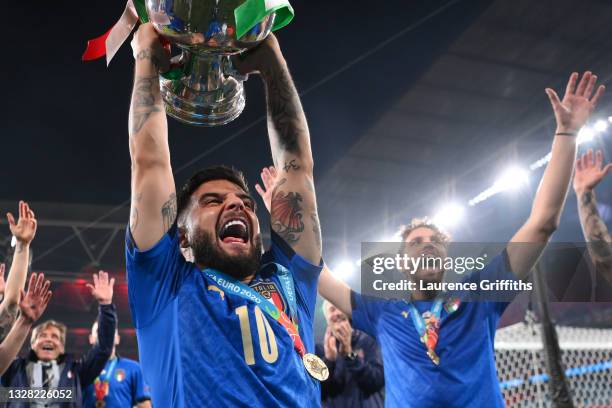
(247, 15)
(109, 43)
(251, 12)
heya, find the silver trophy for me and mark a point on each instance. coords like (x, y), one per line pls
(207, 91)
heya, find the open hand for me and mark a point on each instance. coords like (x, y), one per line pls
(590, 171)
(25, 228)
(102, 288)
(33, 303)
(260, 58)
(578, 102)
(268, 178)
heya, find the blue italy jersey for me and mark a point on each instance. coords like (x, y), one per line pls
(126, 385)
(202, 347)
(466, 376)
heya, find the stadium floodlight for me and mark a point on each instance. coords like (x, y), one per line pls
(585, 135)
(343, 270)
(541, 162)
(512, 179)
(601, 125)
(610, 119)
(449, 215)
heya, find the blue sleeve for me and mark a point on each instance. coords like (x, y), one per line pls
(366, 312)
(140, 391)
(154, 276)
(93, 363)
(497, 269)
(305, 275)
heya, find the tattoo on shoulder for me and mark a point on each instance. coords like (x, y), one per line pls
(168, 212)
(143, 102)
(287, 213)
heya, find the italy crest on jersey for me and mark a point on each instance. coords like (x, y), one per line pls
(269, 290)
(120, 375)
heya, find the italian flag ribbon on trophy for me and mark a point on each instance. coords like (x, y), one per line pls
(247, 15)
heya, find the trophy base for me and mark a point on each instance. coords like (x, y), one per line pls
(203, 108)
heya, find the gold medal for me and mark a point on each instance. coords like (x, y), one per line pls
(433, 356)
(315, 366)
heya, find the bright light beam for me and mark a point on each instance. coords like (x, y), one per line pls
(585, 135)
(511, 180)
(515, 178)
(449, 215)
(344, 270)
(601, 125)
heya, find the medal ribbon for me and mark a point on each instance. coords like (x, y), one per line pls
(101, 387)
(428, 331)
(234, 286)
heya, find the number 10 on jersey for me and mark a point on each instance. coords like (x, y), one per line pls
(267, 340)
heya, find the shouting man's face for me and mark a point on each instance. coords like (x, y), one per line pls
(222, 230)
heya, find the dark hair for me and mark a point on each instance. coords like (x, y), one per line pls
(405, 230)
(220, 172)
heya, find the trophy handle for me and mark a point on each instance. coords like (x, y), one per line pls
(230, 70)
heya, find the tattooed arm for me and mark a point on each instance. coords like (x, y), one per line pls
(153, 208)
(589, 173)
(331, 288)
(293, 210)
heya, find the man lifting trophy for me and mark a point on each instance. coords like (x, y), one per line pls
(202, 87)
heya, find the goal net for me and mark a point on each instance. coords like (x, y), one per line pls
(521, 365)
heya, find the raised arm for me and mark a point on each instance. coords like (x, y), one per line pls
(95, 360)
(293, 209)
(589, 172)
(24, 231)
(332, 289)
(571, 114)
(32, 305)
(153, 208)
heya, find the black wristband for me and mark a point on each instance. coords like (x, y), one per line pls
(566, 134)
